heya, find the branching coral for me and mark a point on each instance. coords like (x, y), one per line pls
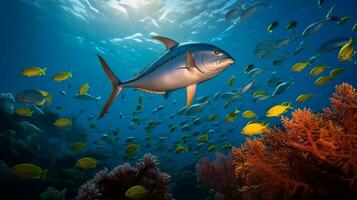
(306, 157)
(113, 185)
(218, 174)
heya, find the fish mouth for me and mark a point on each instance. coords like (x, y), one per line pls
(228, 61)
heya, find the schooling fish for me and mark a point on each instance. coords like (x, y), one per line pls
(87, 97)
(181, 65)
(314, 27)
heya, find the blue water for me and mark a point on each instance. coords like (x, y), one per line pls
(67, 35)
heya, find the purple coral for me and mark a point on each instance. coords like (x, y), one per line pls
(113, 185)
(219, 175)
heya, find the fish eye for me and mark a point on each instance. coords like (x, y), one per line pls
(217, 52)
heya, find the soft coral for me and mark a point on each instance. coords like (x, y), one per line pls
(304, 158)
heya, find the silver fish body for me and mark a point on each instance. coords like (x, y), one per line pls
(169, 72)
(181, 65)
(87, 97)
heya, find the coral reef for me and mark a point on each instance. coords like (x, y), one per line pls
(52, 194)
(313, 157)
(219, 175)
(7, 102)
(113, 185)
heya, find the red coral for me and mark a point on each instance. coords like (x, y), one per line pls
(218, 174)
(113, 185)
(305, 158)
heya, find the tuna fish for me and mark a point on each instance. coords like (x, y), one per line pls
(181, 65)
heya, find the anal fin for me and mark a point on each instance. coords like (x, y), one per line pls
(190, 92)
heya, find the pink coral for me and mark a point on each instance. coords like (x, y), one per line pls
(113, 185)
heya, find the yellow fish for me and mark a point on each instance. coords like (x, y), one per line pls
(29, 171)
(336, 71)
(254, 128)
(62, 76)
(213, 117)
(212, 148)
(317, 70)
(322, 80)
(181, 149)
(87, 163)
(83, 89)
(300, 66)
(249, 114)
(132, 148)
(303, 97)
(24, 112)
(136, 192)
(34, 71)
(347, 51)
(78, 146)
(231, 80)
(203, 138)
(232, 116)
(259, 92)
(278, 110)
(63, 122)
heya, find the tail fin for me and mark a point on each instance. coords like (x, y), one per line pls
(329, 16)
(116, 88)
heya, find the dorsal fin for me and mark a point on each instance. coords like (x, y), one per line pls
(169, 43)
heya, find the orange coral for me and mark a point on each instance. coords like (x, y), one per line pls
(302, 160)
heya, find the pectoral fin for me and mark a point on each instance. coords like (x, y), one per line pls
(190, 92)
(169, 43)
(190, 62)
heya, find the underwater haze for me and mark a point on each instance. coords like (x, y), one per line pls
(260, 74)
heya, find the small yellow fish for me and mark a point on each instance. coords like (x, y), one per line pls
(278, 110)
(29, 171)
(259, 92)
(336, 71)
(203, 138)
(213, 117)
(347, 51)
(132, 148)
(63, 122)
(62, 76)
(249, 114)
(231, 80)
(83, 89)
(136, 192)
(300, 66)
(34, 71)
(317, 70)
(78, 146)
(181, 149)
(322, 80)
(24, 112)
(232, 116)
(254, 128)
(212, 148)
(87, 163)
(303, 97)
